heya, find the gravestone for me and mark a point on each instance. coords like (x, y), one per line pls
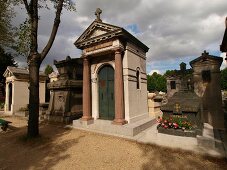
(66, 93)
(183, 106)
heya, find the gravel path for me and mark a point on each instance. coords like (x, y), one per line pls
(63, 148)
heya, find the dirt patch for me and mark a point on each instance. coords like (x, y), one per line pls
(65, 148)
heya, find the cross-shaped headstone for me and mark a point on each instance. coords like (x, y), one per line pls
(98, 13)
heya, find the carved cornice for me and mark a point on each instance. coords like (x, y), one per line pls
(86, 40)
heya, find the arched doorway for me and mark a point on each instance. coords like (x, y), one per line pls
(10, 96)
(106, 93)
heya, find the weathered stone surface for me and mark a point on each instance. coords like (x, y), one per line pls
(178, 132)
(66, 93)
(207, 85)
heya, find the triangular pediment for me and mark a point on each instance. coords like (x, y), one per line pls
(206, 60)
(96, 29)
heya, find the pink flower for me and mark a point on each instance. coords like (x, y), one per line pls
(176, 126)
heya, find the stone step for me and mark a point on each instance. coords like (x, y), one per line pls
(106, 126)
(141, 125)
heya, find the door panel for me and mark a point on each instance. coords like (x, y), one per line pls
(106, 93)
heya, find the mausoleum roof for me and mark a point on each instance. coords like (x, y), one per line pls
(206, 56)
(99, 31)
(20, 72)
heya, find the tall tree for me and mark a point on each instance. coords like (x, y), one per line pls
(6, 59)
(6, 29)
(156, 82)
(35, 57)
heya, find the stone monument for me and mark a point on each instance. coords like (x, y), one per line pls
(174, 79)
(114, 79)
(207, 85)
(66, 93)
(185, 106)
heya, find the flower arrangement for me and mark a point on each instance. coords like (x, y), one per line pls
(175, 123)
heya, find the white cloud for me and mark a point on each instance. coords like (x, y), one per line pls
(171, 29)
(152, 71)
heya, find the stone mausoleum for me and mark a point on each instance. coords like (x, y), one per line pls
(114, 74)
(207, 78)
(17, 93)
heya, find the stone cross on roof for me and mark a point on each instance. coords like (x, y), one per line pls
(98, 13)
(205, 53)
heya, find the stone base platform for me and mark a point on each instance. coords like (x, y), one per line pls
(177, 132)
(62, 119)
(106, 126)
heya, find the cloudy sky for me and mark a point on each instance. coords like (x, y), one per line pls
(175, 30)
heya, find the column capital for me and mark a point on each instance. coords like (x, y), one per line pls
(118, 50)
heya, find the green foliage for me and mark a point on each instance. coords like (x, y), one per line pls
(224, 79)
(170, 72)
(6, 29)
(48, 70)
(23, 42)
(156, 82)
(5, 60)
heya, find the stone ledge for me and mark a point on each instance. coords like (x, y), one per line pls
(177, 132)
(106, 126)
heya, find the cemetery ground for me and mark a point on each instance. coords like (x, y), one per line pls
(65, 148)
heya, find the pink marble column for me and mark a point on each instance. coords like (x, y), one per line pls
(86, 90)
(119, 89)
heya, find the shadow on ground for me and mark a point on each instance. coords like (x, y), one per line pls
(166, 158)
(41, 153)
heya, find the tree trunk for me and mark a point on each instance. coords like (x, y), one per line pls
(33, 121)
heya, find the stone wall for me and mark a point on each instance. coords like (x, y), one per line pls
(135, 106)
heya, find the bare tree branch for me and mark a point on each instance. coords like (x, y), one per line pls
(26, 6)
(54, 30)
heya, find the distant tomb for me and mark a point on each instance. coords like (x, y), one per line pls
(207, 85)
(174, 79)
(66, 92)
(17, 92)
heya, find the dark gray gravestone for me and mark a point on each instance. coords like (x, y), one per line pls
(184, 105)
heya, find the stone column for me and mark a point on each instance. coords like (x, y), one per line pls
(86, 90)
(119, 89)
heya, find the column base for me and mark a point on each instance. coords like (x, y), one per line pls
(119, 122)
(86, 122)
(87, 118)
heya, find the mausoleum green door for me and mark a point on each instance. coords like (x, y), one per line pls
(106, 93)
